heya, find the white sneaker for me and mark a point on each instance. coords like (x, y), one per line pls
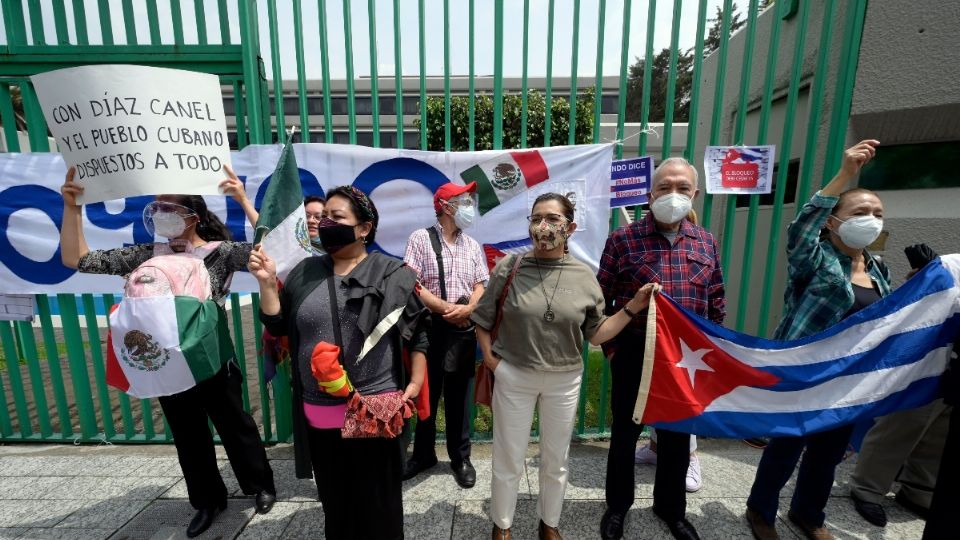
(645, 456)
(694, 479)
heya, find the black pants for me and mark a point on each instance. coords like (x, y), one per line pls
(455, 388)
(219, 399)
(673, 449)
(359, 484)
(824, 451)
(946, 496)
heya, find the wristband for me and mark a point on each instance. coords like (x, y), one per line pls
(630, 312)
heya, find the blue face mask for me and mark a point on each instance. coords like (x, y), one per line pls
(317, 246)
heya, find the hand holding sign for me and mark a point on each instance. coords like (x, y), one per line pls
(136, 130)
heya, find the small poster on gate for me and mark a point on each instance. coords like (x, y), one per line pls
(137, 130)
(630, 181)
(739, 170)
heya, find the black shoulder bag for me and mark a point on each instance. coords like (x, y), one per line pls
(459, 345)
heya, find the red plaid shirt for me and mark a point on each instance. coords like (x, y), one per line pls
(464, 263)
(689, 270)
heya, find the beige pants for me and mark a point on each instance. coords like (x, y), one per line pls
(906, 442)
(516, 392)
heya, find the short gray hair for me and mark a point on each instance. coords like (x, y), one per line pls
(671, 162)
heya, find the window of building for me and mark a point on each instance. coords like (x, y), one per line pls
(913, 166)
(338, 105)
(790, 196)
(229, 108)
(609, 104)
(363, 104)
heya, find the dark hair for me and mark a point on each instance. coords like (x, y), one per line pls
(846, 195)
(361, 205)
(210, 228)
(568, 208)
(313, 198)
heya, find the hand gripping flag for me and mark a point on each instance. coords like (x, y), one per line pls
(701, 378)
(282, 227)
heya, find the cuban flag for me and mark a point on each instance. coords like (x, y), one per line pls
(707, 380)
(741, 154)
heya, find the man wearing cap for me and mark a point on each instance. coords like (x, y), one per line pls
(452, 271)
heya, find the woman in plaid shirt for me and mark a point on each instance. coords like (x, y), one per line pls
(832, 276)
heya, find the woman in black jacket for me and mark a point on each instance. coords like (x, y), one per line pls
(358, 479)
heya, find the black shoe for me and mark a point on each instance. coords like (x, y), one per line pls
(415, 467)
(872, 512)
(465, 474)
(903, 501)
(265, 501)
(681, 529)
(203, 519)
(611, 525)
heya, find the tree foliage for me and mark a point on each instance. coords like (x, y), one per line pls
(512, 121)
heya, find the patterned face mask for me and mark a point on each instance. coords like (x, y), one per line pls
(547, 236)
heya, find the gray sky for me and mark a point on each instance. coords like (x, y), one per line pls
(459, 40)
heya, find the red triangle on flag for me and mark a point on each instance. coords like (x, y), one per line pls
(689, 371)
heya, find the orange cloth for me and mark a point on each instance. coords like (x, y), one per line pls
(326, 368)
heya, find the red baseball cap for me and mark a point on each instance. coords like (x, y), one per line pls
(451, 190)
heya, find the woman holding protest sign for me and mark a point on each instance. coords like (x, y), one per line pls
(190, 228)
(831, 277)
(350, 316)
(531, 323)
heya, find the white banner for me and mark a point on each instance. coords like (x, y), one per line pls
(130, 130)
(401, 183)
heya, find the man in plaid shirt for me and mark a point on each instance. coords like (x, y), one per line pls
(453, 343)
(663, 247)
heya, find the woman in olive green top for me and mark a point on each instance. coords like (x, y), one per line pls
(553, 303)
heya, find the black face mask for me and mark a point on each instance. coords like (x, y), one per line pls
(335, 236)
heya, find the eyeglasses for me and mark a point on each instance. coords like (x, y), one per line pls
(552, 219)
(315, 217)
(461, 200)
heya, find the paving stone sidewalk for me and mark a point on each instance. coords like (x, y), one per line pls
(137, 492)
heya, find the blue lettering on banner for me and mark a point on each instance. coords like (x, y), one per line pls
(411, 169)
(630, 181)
(47, 201)
(132, 213)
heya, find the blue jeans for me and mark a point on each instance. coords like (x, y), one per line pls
(824, 451)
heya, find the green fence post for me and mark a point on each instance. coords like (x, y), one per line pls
(224, 16)
(695, 93)
(106, 25)
(16, 386)
(572, 124)
(129, 22)
(177, 20)
(238, 348)
(76, 357)
(671, 80)
(746, 268)
(598, 78)
(264, 388)
(498, 74)
(374, 73)
(60, 22)
(497, 55)
(36, 22)
(423, 75)
(397, 73)
(624, 68)
(786, 149)
(153, 21)
(281, 113)
(99, 371)
(14, 23)
(53, 362)
(28, 345)
(720, 81)
(446, 75)
(255, 93)
(523, 76)
(325, 72)
(348, 52)
(647, 79)
(301, 72)
(201, 18)
(8, 118)
(548, 91)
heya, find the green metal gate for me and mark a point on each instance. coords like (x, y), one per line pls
(84, 409)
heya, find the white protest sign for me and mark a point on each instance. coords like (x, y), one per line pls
(739, 170)
(137, 130)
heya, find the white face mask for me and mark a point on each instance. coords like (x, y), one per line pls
(169, 224)
(859, 232)
(465, 216)
(671, 208)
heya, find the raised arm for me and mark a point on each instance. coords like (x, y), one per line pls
(233, 188)
(73, 244)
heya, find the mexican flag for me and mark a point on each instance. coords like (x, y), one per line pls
(505, 176)
(282, 227)
(162, 345)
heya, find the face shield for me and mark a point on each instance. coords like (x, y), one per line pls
(166, 219)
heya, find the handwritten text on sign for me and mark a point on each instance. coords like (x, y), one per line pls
(630, 181)
(137, 130)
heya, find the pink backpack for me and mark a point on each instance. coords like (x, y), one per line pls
(169, 273)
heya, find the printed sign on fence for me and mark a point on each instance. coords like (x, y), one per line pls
(739, 170)
(630, 181)
(137, 130)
